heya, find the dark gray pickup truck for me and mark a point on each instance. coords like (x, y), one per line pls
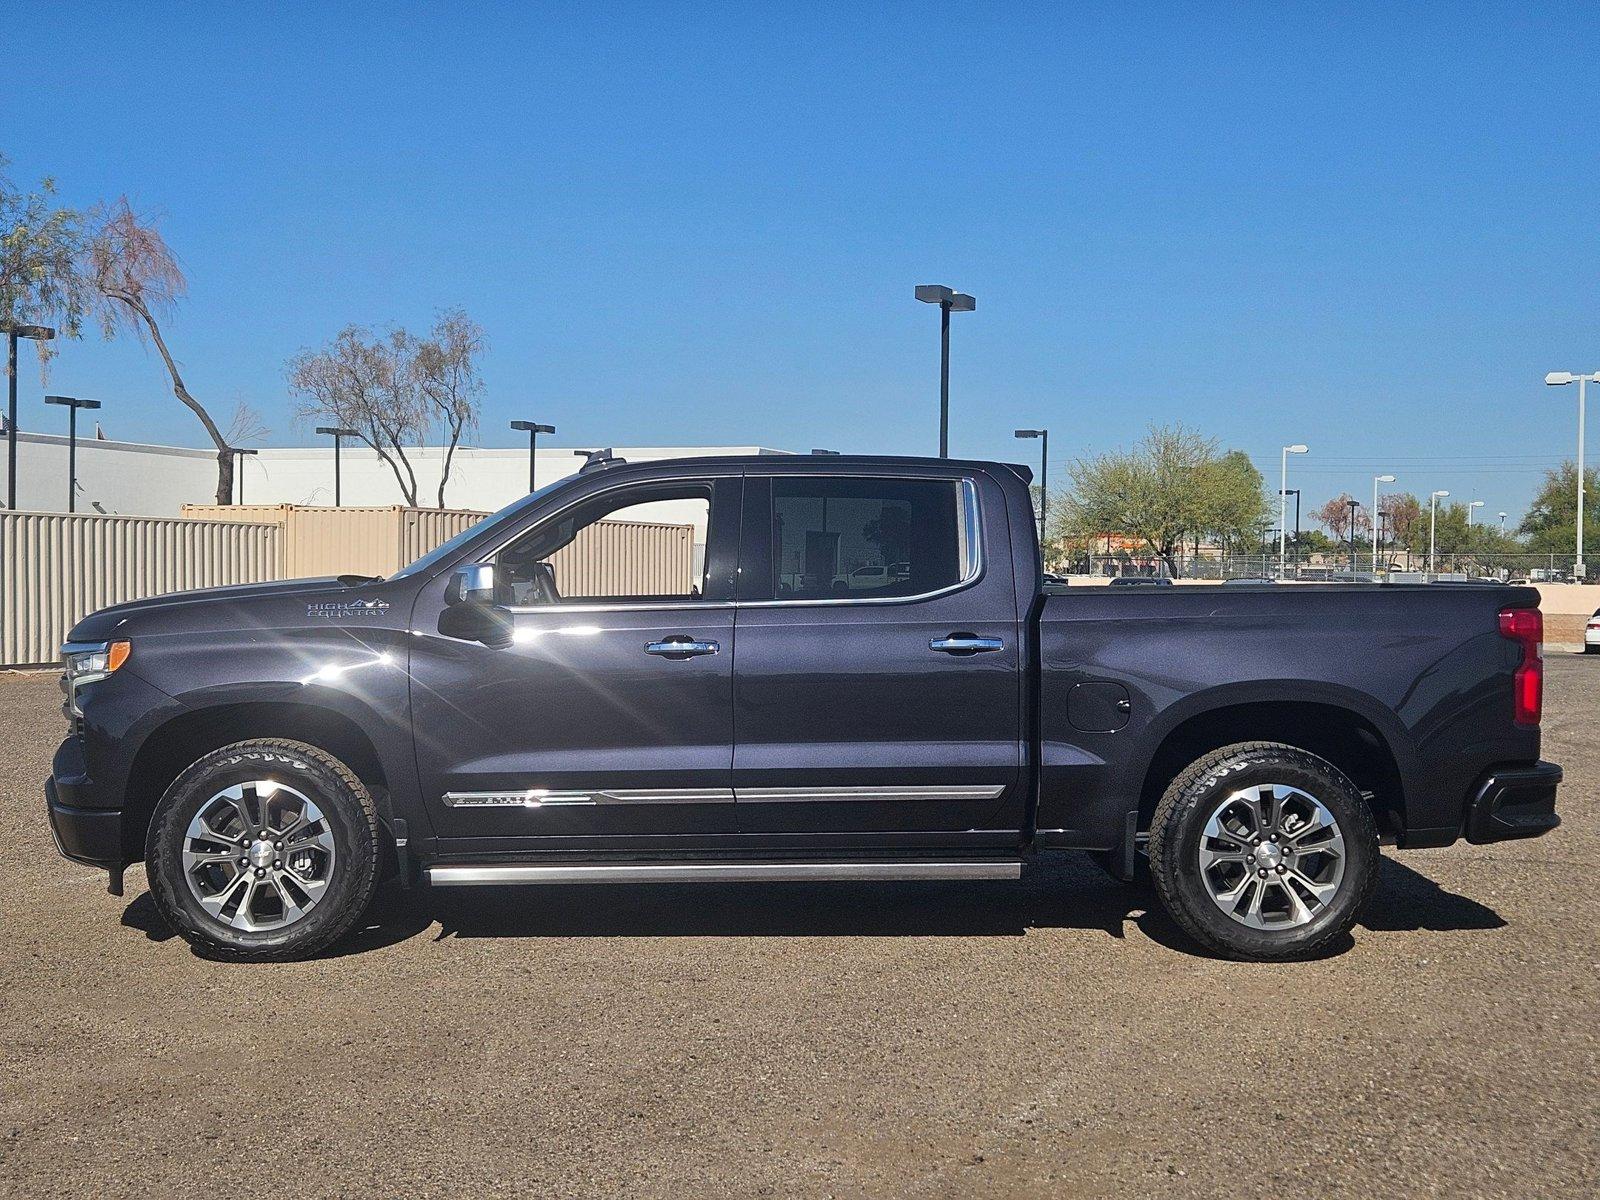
(859, 676)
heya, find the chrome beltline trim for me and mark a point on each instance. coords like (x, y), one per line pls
(717, 872)
(834, 795)
(543, 798)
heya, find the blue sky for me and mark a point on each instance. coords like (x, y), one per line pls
(1369, 228)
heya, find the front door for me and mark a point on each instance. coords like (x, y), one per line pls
(878, 684)
(610, 713)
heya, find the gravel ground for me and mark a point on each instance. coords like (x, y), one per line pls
(1053, 1037)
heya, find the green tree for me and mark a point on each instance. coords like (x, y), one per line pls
(1169, 489)
(40, 244)
(1406, 520)
(1551, 526)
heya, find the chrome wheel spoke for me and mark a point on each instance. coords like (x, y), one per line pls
(1257, 871)
(239, 869)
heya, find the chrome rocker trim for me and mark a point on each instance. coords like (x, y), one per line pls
(717, 872)
(542, 797)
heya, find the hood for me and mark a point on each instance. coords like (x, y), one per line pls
(100, 626)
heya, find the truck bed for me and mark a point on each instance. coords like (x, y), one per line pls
(1391, 681)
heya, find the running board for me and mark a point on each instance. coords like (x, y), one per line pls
(718, 872)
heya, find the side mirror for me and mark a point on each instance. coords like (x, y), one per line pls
(472, 584)
(473, 611)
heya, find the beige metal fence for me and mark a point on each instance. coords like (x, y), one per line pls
(318, 540)
(56, 568)
(627, 558)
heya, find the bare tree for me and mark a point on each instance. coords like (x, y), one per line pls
(136, 279)
(395, 389)
(445, 367)
(363, 381)
(246, 425)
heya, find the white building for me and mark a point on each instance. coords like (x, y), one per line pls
(134, 479)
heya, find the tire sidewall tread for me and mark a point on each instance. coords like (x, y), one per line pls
(345, 802)
(1188, 802)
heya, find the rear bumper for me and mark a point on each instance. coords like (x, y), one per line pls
(1514, 802)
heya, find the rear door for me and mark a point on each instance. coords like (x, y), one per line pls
(877, 688)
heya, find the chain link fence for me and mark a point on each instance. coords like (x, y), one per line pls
(1534, 568)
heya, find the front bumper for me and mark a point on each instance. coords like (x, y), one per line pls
(89, 835)
(1514, 802)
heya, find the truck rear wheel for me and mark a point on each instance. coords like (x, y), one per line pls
(265, 849)
(1262, 851)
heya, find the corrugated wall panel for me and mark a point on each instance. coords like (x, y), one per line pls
(56, 568)
(627, 558)
(320, 540)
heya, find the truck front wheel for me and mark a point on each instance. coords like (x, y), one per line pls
(265, 849)
(1262, 851)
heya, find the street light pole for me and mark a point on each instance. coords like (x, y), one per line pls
(37, 333)
(1557, 379)
(72, 404)
(1476, 504)
(1353, 505)
(239, 453)
(533, 431)
(1502, 524)
(948, 301)
(1433, 523)
(338, 433)
(1283, 506)
(1376, 480)
(1044, 475)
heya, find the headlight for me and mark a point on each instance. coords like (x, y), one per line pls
(87, 662)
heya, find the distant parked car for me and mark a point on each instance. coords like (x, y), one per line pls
(1591, 634)
(1148, 580)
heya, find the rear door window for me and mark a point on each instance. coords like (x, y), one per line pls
(866, 538)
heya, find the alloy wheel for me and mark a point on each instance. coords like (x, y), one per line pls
(1272, 856)
(258, 856)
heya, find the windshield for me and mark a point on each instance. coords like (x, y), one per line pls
(445, 549)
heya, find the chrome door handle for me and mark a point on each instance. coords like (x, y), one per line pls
(966, 643)
(681, 648)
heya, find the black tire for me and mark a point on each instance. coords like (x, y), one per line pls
(1589, 648)
(350, 817)
(1175, 843)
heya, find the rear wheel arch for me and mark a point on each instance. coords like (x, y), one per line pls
(1346, 738)
(172, 747)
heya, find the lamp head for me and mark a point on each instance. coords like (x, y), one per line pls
(1557, 378)
(1297, 448)
(1028, 433)
(1383, 478)
(1440, 495)
(38, 333)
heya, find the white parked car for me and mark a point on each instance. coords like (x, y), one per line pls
(1591, 635)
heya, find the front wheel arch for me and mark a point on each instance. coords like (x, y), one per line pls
(168, 750)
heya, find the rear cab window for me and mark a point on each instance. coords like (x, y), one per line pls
(845, 538)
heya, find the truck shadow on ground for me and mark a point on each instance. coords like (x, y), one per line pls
(1060, 891)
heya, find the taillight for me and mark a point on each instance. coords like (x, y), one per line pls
(1525, 626)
